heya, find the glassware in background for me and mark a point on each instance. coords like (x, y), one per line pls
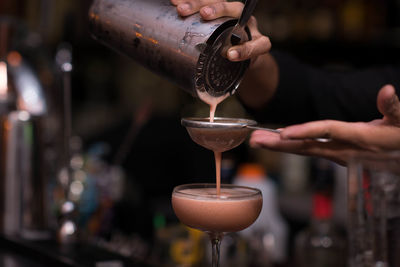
(374, 210)
(322, 243)
(24, 150)
(267, 236)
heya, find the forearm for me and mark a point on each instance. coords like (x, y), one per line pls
(260, 82)
(304, 93)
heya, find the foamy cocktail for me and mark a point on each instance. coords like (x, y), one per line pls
(232, 209)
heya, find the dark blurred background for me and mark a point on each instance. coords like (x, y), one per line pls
(127, 117)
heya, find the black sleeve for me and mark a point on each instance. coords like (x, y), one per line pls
(306, 93)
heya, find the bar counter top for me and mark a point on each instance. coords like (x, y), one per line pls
(15, 252)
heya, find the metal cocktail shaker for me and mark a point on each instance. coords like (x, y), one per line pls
(186, 51)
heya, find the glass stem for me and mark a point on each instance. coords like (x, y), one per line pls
(215, 243)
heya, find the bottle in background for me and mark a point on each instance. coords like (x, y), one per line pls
(267, 236)
(322, 243)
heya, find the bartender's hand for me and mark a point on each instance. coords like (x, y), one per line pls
(347, 138)
(212, 9)
(261, 80)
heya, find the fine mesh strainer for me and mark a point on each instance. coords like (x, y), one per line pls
(224, 133)
(221, 135)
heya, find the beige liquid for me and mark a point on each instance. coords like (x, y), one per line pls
(218, 157)
(213, 103)
(216, 213)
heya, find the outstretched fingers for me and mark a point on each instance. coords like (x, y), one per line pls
(334, 150)
(315, 129)
(269, 140)
(373, 136)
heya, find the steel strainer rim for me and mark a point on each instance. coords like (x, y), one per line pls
(219, 122)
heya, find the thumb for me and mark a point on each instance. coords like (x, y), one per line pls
(389, 104)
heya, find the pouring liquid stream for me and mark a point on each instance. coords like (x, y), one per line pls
(213, 103)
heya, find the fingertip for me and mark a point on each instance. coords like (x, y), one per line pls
(387, 97)
(184, 9)
(207, 12)
(387, 90)
(233, 54)
(389, 86)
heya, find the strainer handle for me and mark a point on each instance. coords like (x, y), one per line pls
(248, 9)
(263, 128)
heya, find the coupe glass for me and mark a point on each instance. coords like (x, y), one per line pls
(200, 207)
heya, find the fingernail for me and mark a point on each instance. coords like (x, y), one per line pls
(208, 11)
(233, 54)
(185, 7)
